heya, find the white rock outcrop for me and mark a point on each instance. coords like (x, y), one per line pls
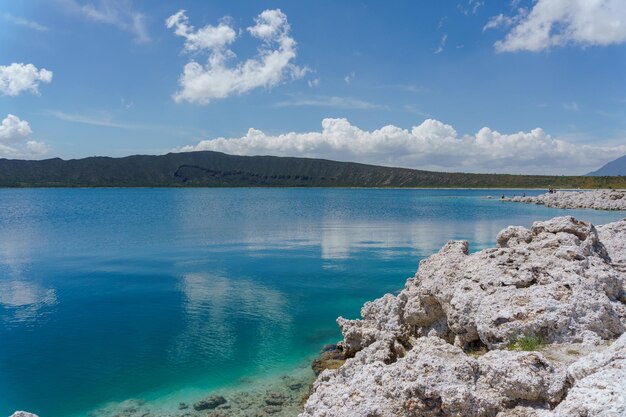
(561, 282)
(23, 414)
(591, 199)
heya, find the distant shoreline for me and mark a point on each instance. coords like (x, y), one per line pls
(48, 187)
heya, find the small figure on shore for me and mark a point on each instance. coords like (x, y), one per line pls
(502, 198)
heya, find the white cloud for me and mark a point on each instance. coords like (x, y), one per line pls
(561, 22)
(472, 7)
(20, 21)
(217, 79)
(102, 119)
(349, 78)
(208, 37)
(15, 139)
(431, 145)
(442, 44)
(332, 101)
(118, 13)
(571, 106)
(17, 78)
(314, 82)
(416, 110)
(502, 21)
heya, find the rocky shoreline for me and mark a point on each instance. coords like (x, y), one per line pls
(532, 328)
(592, 199)
(276, 396)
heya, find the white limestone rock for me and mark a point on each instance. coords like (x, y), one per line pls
(555, 281)
(558, 281)
(23, 414)
(591, 199)
(435, 378)
(598, 384)
(613, 237)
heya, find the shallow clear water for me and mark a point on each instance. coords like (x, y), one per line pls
(109, 294)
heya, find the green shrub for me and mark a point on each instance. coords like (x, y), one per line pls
(527, 343)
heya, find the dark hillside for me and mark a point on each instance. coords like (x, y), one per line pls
(214, 169)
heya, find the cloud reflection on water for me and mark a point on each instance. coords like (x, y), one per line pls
(216, 306)
(21, 298)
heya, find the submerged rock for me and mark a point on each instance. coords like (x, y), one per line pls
(561, 282)
(331, 357)
(209, 403)
(23, 414)
(592, 199)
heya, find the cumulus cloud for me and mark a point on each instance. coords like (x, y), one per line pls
(432, 145)
(118, 13)
(15, 141)
(17, 78)
(218, 78)
(561, 22)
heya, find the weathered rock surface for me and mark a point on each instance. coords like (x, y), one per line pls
(23, 414)
(592, 199)
(561, 282)
(598, 384)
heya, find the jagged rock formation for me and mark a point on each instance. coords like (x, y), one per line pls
(562, 282)
(23, 414)
(593, 199)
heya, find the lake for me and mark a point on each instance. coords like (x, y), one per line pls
(167, 294)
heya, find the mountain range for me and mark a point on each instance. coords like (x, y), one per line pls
(214, 169)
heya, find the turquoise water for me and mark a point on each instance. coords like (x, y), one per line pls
(110, 294)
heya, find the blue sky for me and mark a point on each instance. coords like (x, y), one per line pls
(489, 86)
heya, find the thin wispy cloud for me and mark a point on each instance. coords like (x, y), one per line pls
(314, 82)
(571, 106)
(331, 101)
(416, 111)
(472, 7)
(103, 120)
(349, 78)
(107, 119)
(408, 88)
(118, 13)
(20, 21)
(442, 44)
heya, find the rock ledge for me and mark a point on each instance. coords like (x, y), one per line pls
(444, 346)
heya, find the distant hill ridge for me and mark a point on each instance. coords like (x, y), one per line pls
(616, 167)
(215, 169)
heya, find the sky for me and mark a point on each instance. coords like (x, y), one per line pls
(511, 86)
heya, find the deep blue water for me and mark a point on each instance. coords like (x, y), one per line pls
(108, 294)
